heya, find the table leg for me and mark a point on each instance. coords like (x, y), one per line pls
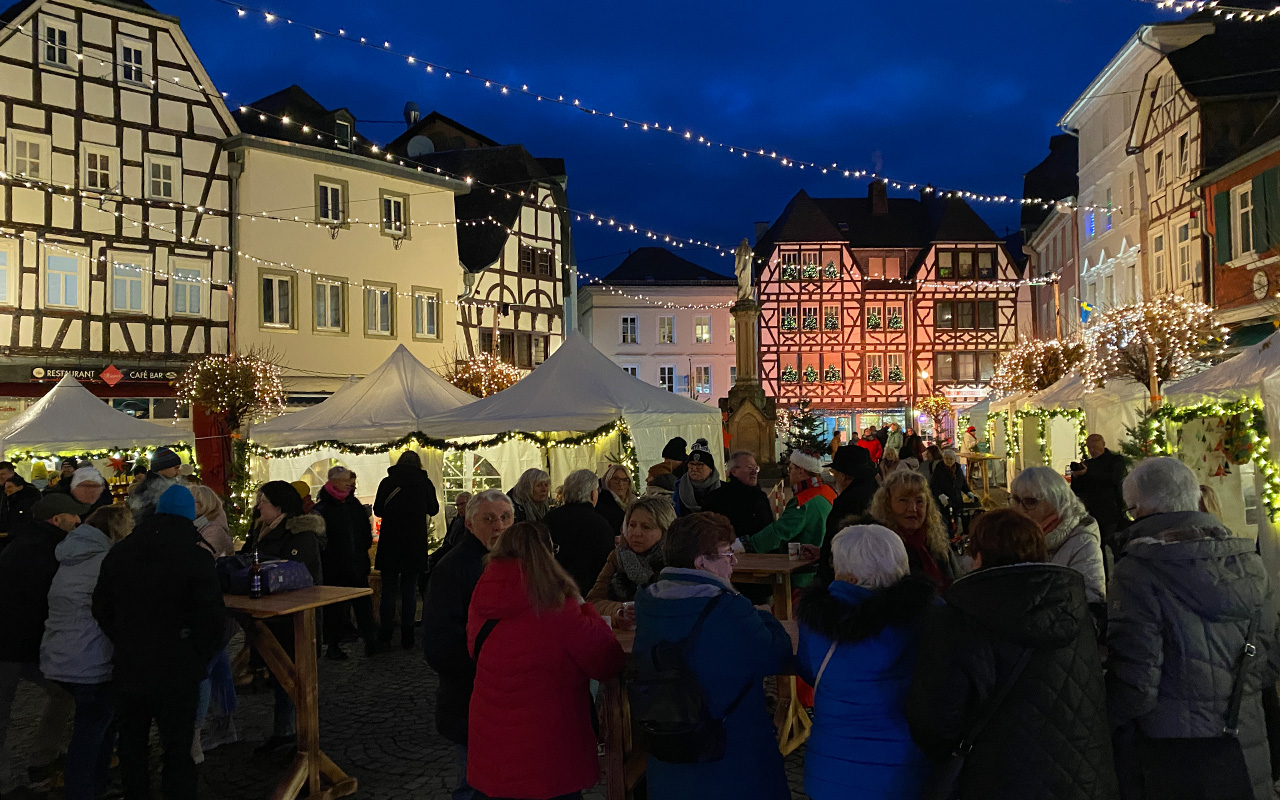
(790, 718)
(306, 689)
(611, 722)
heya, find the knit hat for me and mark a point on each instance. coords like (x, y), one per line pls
(55, 503)
(700, 453)
(851, 461)
(283, 496)
(675, 449)
(178, 501)
(39, 471)
(302, 488)
(87, 475)
(164, 458)
(807, 461)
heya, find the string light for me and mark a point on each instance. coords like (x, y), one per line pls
(1042, 416)
(1034, 365)
(1220, 10)
(482, 375)
(1179, 334)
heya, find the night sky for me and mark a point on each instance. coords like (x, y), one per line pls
(960, 94)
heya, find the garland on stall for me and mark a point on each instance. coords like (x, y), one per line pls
(1011, 448)
(1043, 415)
(133, 453)
(1153, 428)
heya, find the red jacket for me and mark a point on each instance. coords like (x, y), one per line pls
(873, 447)
(530, 729)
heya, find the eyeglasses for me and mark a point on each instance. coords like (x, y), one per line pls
(490, 519)
(1025, 502)
(730, 555)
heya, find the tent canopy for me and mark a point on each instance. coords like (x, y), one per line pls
(579, 389)
(392, 401)
(70, 418)
(1067, 392)
(1236, 378)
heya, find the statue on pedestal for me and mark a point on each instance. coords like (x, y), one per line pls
(751, 415)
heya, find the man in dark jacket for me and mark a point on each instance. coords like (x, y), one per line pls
(583, 538)
(855, 482)
(17, 496)
(27, 567)
(444, 620)
(406, 501)
(159, 602)
(165, 466)
(1097, 483)
(345, 560)
(740, 498)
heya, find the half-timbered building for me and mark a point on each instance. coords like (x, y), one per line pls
(869, 304)
(514, 243)
(113, 225)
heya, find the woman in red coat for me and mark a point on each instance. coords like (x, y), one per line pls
(530, 734)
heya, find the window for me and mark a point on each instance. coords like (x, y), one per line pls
(1109, 293)
(986, 366)
(702, 380)
(379, 305)
(1184, 154)
(875, 369)
(1159, 169)
(894, 312)
(426, 314)
(986, 266)
(539, 349)
(187, 286)
(164, 177)
(944, 367)
(127, 282)
(875, 267)
(789, 314)
(59, 42)
(702, 330)
(1108, 209)
(465, 472)
(524, 350)
(966, 367)
(875, 318)
(329, 203)
(946, 270)
(831, 318)
(8, 268)
(277, 301)
(526, 260)
(1088, 224)
(393, 214)
(810, 319)
(1133, 193)
(507, 347)
(486, 341)
(733, 375)
(131, 54)
(964, 316)
(628, 330)
(1184, 253)
(1091, 292)
(543, 259)
(964, 266)
(62, 281)
(733, 330)
(667, 378)
(666, 330)
(329, 305)
(809, 267)
(1242, 225)
(1157, 251)
(29, 155)
(891, 271)
(342, 134)
(944, 314)
(632, 370)
(987, 315)
(791, 266)
(895, 374)
(99, 168)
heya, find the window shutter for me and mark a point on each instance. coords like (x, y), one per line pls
(1222, 226)
(1267, 198)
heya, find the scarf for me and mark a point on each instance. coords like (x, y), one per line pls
(635, 571)
(334, 493)
(692, 492)
(1056, 538)
(918, 550)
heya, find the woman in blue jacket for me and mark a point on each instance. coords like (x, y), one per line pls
(858, 644)
(736, 649)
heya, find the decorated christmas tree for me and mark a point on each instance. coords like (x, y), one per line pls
(811, 373)
(832, 373)
(876, 375)
(895, 322)
(806, 432)
(895, 374)
(873, 319)
(789, 374)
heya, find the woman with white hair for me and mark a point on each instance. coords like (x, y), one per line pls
(950, 487)
(1191, 631)
(1070, 535)
(531, 496)
(858, 643)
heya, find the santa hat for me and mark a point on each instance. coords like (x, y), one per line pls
(805, 461)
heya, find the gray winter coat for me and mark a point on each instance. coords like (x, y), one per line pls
(74, 649)
(1179, 607)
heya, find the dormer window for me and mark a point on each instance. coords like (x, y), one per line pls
(342, 134)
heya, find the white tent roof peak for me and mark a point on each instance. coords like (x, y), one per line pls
(1236, 378)
(70, 417)
(390, 402)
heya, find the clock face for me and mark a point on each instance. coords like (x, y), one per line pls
(1260, 284)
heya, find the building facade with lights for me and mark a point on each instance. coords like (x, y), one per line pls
(342, 255)
(113, 211)
(869, 304)
(666, 321)
(1049, 237)
(514, 239)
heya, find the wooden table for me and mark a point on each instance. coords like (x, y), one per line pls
(775, 569)
(311, 768)
(980, 460)
(624, 761)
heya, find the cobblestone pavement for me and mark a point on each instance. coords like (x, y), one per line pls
(376, 722)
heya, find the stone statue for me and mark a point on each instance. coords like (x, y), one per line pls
(742, 267)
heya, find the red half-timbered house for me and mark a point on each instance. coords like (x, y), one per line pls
(869, 304)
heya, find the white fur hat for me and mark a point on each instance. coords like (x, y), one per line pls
(805, 461)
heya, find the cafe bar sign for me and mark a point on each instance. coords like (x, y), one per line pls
(110, 375)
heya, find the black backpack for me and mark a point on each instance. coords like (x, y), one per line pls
(670, 709)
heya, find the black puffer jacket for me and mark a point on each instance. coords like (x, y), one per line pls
(15, 508)
(1179, 606)
(402, 541)
(584, 541)
(349, 534)
(1049, 739)
(746, 507)
(444, 634)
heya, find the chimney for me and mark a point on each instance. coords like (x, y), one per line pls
(878, 194)
(761, 229)
(411, 114)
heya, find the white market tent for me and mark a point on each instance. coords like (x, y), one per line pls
(1241, 376)
(70, 418)
(578, 389)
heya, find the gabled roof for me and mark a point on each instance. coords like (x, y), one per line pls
(658, 265)
(11, 13)
(431, 120)
(1054, 178)
(302, 110)
(1214, 66)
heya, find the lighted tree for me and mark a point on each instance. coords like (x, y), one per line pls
(937, 407)
(1181, 335)
(895, 374)
(876, 374)
(242, 387)
(482, 374)
(806, 431)
(1035, 364)
(789, 374)
(810, 373)
(873, 319)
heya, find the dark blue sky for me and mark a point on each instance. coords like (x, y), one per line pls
(961, 94)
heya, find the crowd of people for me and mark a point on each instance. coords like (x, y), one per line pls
(1060, 650)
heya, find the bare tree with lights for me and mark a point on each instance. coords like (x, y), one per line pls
(482, 374)
(1151, 343)
(1035, 364)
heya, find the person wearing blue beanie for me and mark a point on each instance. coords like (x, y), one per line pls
(178, 501)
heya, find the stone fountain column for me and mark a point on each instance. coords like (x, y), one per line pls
(750, 414)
